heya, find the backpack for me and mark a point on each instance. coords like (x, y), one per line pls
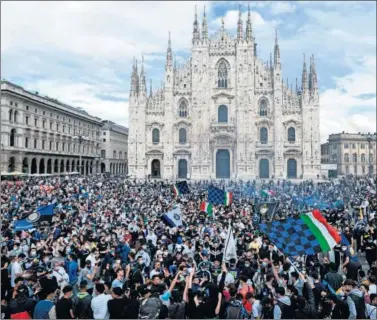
(233, 310)
(286, 311)
(150, 308)
(359, 305)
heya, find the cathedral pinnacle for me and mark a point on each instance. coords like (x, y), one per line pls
(169, 55)
(195, 34)
(150, 88)
(304, 84)
(249, 31)
(143, 85)
(134, 79)
(276, 51)
(314, 83)
(239, 25)
(204, 26)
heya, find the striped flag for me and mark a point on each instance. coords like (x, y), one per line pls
(308, 234)
(268, 193)
(207, 207)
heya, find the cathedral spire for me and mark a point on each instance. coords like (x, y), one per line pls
(249, 31)
(150, 88)
(314, 87)
(304, 84)
(204, 26)
(195, 33)
(133, 90)
(276, 51)
(143, 85)
(239, 25)
(169, 55)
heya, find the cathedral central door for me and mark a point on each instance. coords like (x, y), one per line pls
(292, 169)
(156, 169)
(182, 169)
(264, 170)
(223, 164)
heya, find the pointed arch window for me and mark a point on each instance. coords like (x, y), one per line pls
(182, 110)
(263, 108)
(156, 136)
(182, 136)
(222, 81)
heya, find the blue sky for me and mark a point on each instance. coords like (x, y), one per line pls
(81, 52)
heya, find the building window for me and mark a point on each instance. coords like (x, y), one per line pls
(12, 140)
(182, 136)
(120, 154)
(354, 146)
(346, 158)
(27, 107)
(63, 146)
(263, 108)
(104, 133)
(104, 140)
(16, 116)
(291, 134)
(10, 115)
(35, 110)
(355, 170)
(347, 170)
(35, 144)
(155, 136)
(103, 154)
(371, 158)
(363, 169)
(11, 103)
(57, 146)
(16, 104)
(363, 157)
(354, 157)
(36, 122)
(43, 124)
(222, 81)
(63, 129)
(222, 114)
(43, 144)
(68, 147)
(74, 148)
(50, 146)
(346, 146)
(26, 142)
(362, 146)
(50, 125)
(182, 109)
(27, 120)
(263, 133)
(44, 112)
(114, 154)
(57, 127)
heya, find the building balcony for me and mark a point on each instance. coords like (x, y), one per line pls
(264, 145)
(223, 127)
(292, 144)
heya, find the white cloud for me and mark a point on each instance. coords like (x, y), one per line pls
(282, 7)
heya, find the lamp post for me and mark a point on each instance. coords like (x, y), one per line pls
(369, 139)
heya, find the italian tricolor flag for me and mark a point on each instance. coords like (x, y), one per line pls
(228, 198)
(206, 207)
(268, 193)
(325, 234)
(176, 191)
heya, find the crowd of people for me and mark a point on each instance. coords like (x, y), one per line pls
(108, 254)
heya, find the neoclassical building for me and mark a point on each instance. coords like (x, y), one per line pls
(114, 147)
(225, 113)
(42, 135)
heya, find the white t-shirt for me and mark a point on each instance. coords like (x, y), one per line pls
(256, 310)
(99, 306)
(16, 268)
(372, 289)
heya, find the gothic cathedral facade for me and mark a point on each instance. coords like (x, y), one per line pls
(224, 114)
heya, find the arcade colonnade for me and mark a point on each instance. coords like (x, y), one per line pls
(39, 164)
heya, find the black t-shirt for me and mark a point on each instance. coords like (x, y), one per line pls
(63, 308)
(116, 308)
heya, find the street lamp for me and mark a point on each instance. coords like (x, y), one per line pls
(369, 139)
(80, 140)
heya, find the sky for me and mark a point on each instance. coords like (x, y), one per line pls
(81, 53)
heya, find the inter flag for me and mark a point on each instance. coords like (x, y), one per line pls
(207, 207)
(173, 217)
(230, 251)
(44, 213)
(217, 196)
(180, 188)
(307, 234)
(269, 209)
